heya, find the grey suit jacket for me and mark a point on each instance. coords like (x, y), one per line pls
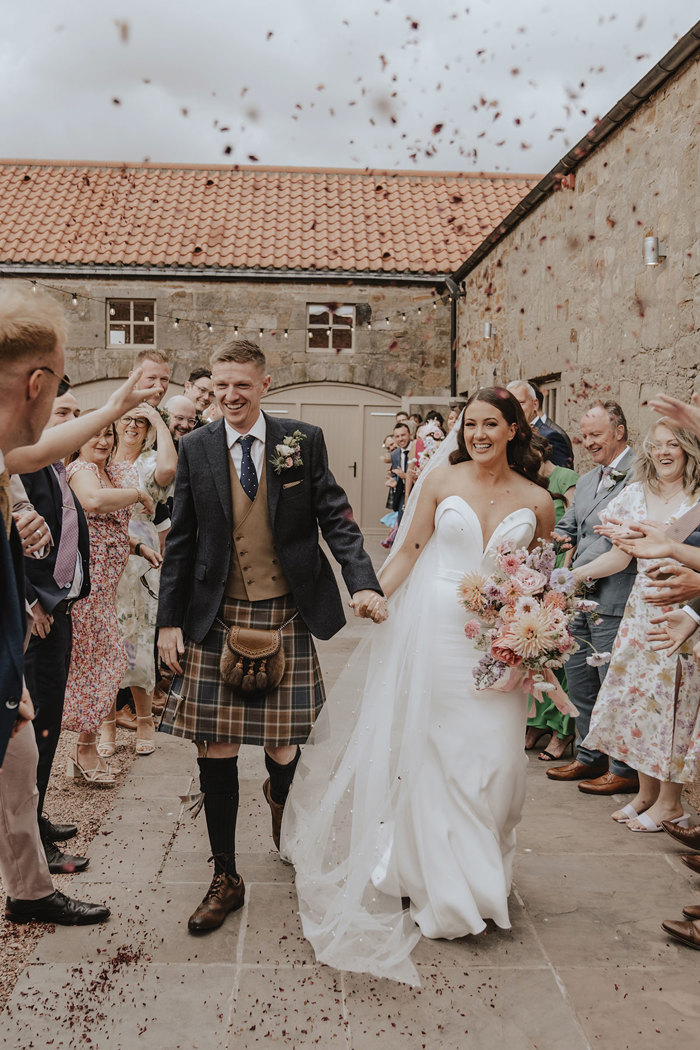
(578, 523)
(301, 500)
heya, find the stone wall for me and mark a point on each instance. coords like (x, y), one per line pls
(409, 358)
(568, 292)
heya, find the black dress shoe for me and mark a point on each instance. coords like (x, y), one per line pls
(56, 832)
(56, 908)
(62, 863)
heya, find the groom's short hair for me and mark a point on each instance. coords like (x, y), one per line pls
(239, 351)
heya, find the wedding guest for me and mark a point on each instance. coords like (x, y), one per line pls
(526, 394)
(155, 374)
(99, 659)
(200, 390)
(399, 466)
(643, 715)
(182, 416)
(32, 357)
(137, 591)
(547, 719)
(604, 436)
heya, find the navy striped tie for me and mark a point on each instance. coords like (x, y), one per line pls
(249, 477)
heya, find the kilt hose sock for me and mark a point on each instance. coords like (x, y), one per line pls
(281, 777)
(218, 781)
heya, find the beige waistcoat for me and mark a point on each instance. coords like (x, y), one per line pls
(255, 572)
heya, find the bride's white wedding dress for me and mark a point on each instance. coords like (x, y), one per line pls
(414, 781)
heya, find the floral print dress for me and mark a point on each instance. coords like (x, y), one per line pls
(638, 716)
(98, 659)
(137, 601)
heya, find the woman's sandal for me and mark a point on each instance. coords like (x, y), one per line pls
(547, 756)
(628, 812)
(94, 777)
(649, 825)
(144, 746)
(107, 745)
(544, 732)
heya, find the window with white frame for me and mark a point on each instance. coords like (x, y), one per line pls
(551, 390)
(131, 322)
(330, 328)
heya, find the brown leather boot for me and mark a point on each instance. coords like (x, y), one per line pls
(277, 812)
(224, 895)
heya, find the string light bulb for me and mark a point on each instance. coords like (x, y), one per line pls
(235, 329)
(34, 287)
(75, 299)
(387, 321)
(210, 326)
(112, 311)
(369, 326)
(286, 333)
(176, 322)
(146, 318)
(260, 334)
(420, 309)
(403, 315)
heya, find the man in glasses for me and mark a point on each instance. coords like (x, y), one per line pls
(32, 341)
(200, 390)
(182, 416)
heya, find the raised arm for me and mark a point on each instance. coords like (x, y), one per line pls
(97, 500)
(62, 440)
(166, 453)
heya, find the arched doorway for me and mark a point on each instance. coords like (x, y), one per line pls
(355, 420)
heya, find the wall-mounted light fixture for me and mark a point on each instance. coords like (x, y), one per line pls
(488, 329)
(652, 250)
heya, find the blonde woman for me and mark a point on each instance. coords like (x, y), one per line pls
(153, 470)
(646, 713)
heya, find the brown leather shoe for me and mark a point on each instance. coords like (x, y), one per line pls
(692, 911)
(577, 770)
(689, 837)
(687, 932)
(277, 812)
(692, 861)
(224, 895)
(610, 784)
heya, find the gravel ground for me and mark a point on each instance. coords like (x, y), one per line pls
(67, 801)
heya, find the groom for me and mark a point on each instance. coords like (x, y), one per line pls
(243, 549)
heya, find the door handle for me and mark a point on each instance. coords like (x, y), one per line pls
(353, 468)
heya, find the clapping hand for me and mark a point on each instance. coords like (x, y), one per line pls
(679, 413)
(644, 539)
(370, 605)
(671, 583)
(669, 631)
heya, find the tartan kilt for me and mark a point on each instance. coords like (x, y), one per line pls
(201, 706)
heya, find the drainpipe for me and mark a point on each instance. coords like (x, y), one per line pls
(453, 346)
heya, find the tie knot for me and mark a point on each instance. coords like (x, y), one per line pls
(246, 442)
(604, 471)
(59, 466)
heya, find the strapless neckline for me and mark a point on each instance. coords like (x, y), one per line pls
(486, 546)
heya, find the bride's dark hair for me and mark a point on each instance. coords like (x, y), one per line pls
(521, 455)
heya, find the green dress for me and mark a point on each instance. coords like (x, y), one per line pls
(546, 714)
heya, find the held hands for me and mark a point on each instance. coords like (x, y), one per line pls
(670, 583)
(43, 621)
(33, 532)
(171, 647)
(670, 630)
(370, 605)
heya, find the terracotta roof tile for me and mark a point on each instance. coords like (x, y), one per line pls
(248, 217)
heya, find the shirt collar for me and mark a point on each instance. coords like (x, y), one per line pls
(616, 461)
(258, 430)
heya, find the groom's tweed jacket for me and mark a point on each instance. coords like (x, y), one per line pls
(578, 524)
(300, 500)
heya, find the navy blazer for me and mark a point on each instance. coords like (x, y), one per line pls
(562, 451)
(44, 493)
(12, 630)
(300, 500)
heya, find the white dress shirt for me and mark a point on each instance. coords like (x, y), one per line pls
(611, 466)
(257, 449)
(77, 584)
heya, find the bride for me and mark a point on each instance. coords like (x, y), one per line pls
(401, 818)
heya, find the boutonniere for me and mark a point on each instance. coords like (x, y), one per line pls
(612, 477)
(288, 452)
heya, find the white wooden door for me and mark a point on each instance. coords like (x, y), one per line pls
(354, 420)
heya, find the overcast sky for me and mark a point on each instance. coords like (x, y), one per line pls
(504, 85)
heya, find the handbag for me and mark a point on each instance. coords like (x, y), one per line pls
(253, 658)
(686, 525)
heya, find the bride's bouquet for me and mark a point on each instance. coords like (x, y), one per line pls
(523, 613)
